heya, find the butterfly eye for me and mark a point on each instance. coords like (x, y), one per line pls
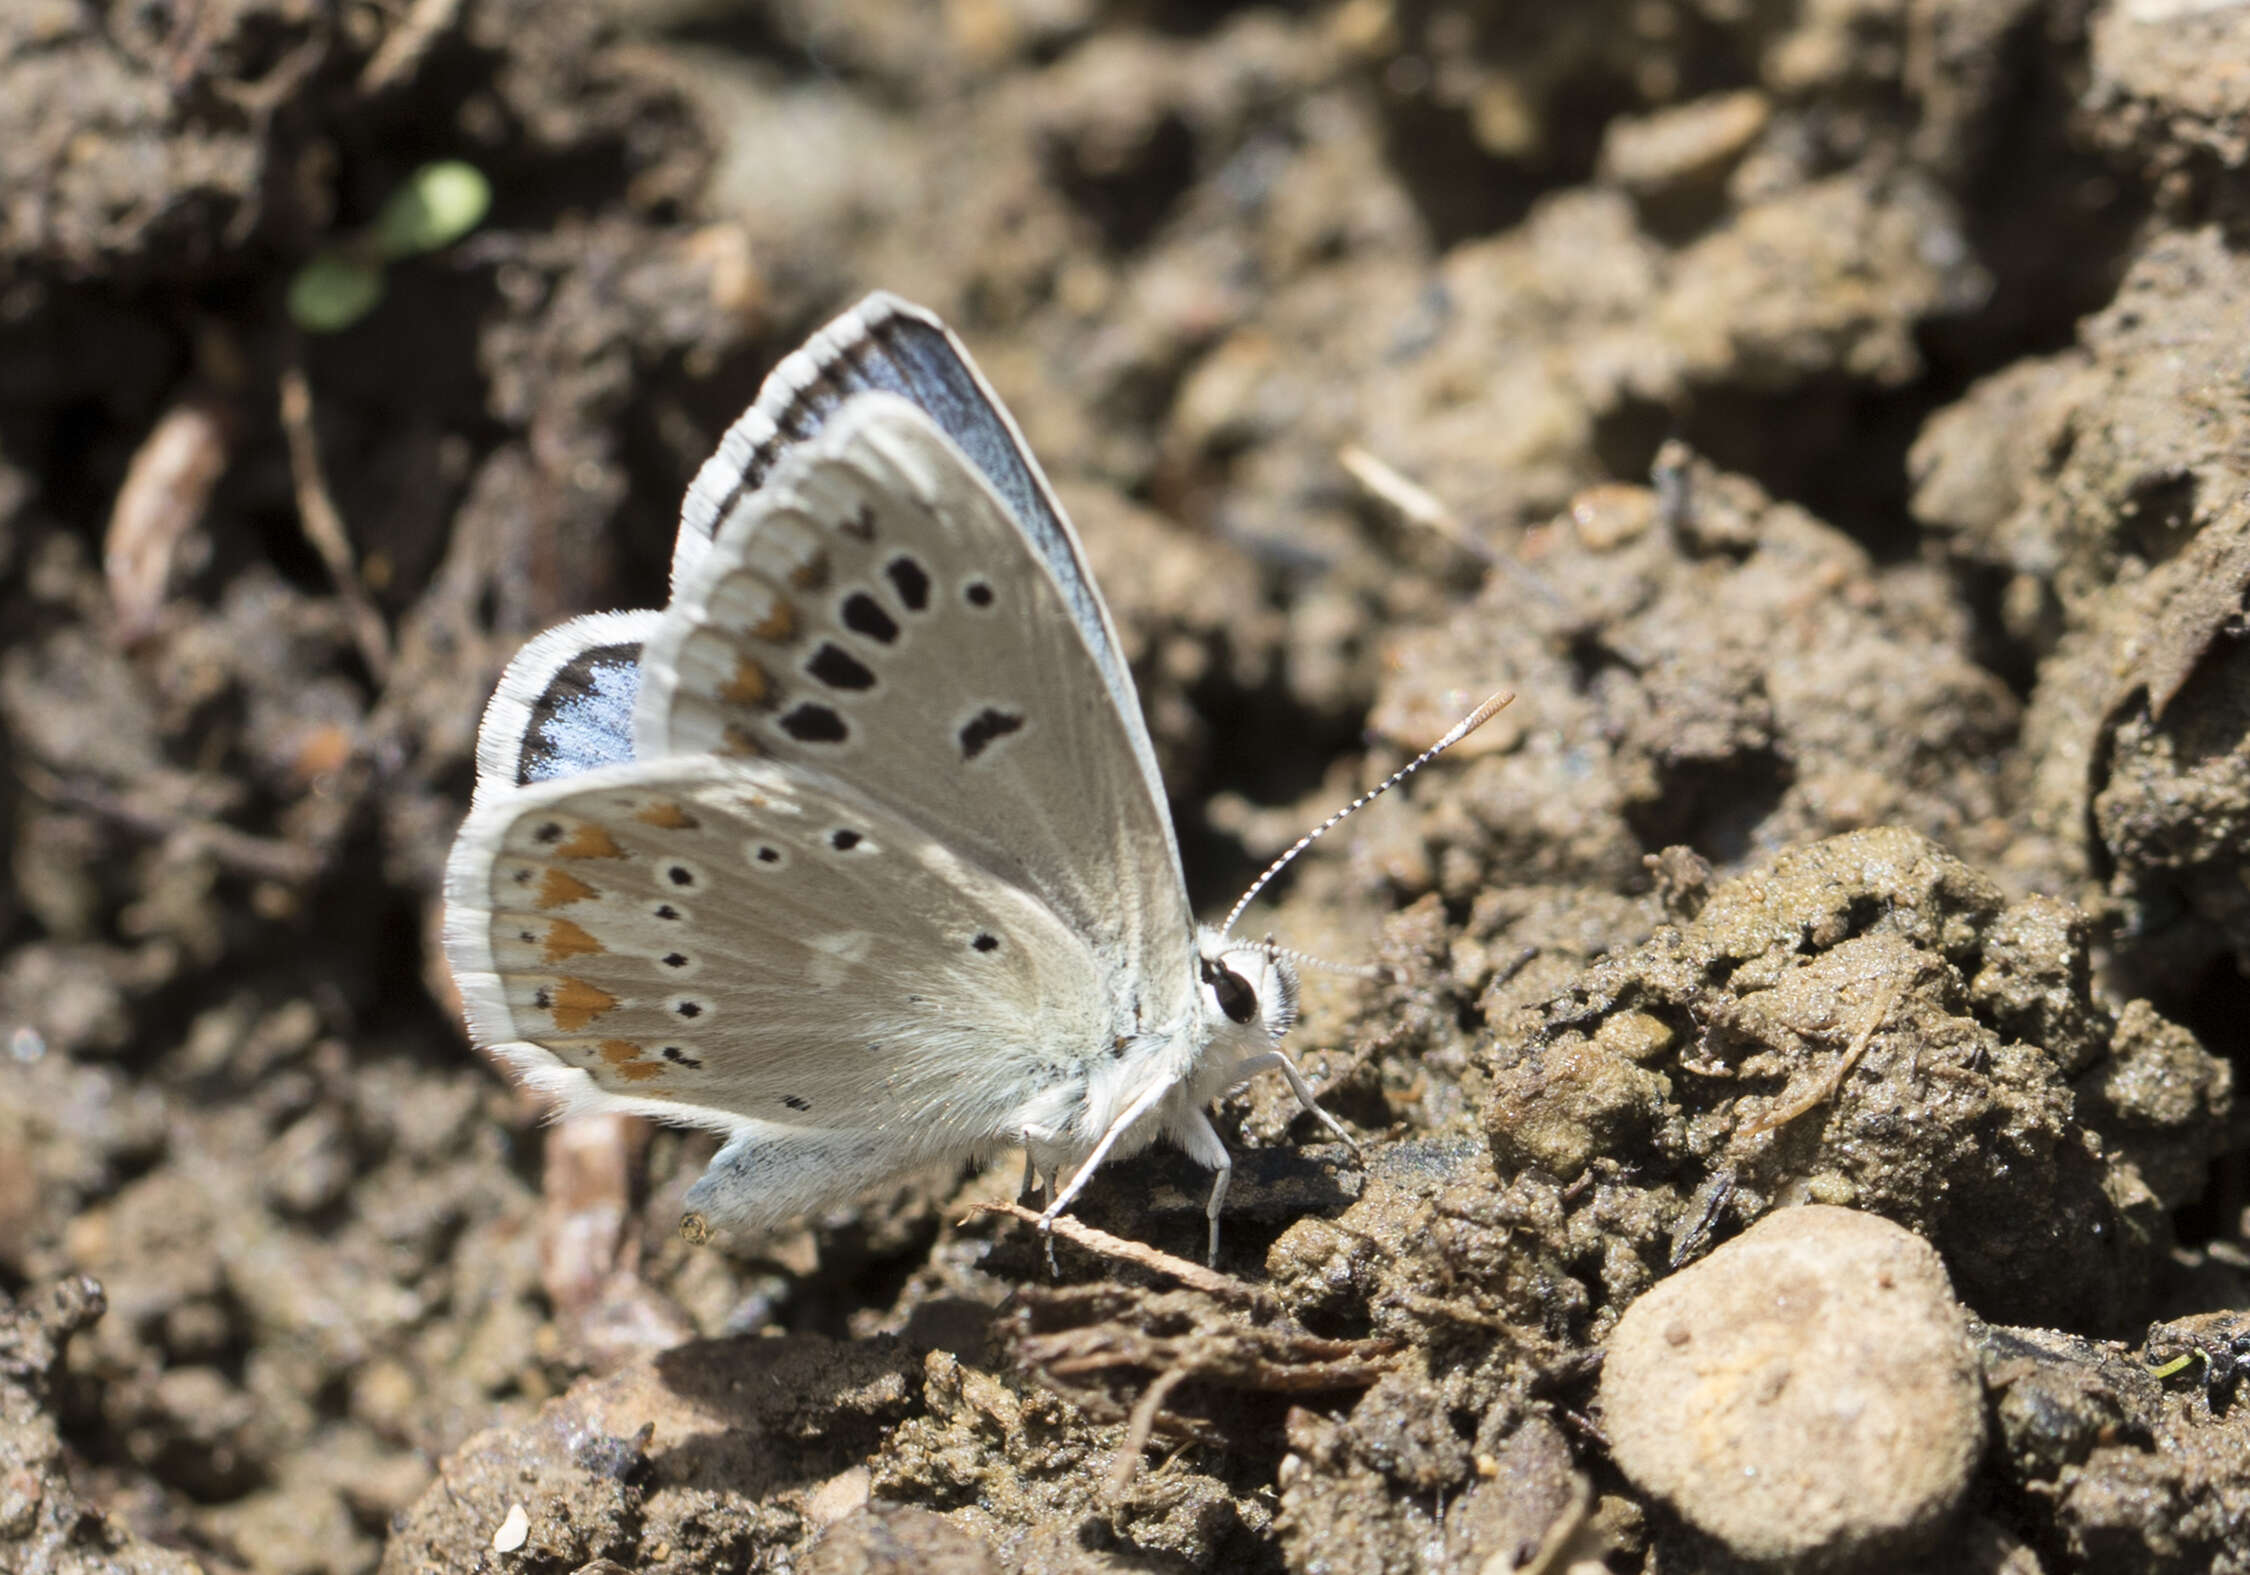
(1232, 991)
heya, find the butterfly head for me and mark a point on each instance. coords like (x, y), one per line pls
(1245, 986)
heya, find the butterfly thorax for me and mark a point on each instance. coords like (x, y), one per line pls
(1242, 1002)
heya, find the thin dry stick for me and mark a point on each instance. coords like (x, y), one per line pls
(1408, 499)
(1126, 1463)
(1835, 1080)
(403, 47)
(242, 851)
(324, 525)
(1193, 1275)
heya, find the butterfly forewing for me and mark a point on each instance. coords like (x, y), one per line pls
(886, 345)
(873, 615)
(754, 940)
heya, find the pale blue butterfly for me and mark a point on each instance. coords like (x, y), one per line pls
(856, 853)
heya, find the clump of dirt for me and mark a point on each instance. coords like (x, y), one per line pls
(2143, 1472)
(1819, 416)
(44, 1520)
(2103, 487)
(1865, 1022)
(713, 1456)
(1721, 670)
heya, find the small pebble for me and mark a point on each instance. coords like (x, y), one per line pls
(1806, 1393)
(514, 1531)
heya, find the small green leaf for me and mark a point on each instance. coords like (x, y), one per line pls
(438, 205)
(332, 292)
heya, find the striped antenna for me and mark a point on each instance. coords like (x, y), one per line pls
(1460, 730)
(1308, 960)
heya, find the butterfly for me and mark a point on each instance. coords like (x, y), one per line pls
(856, 852)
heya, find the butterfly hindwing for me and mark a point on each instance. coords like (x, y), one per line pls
(710, 940)
(872, 614)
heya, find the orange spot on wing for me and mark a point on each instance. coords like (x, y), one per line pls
(557, 888)
(565, 939)
(749, 685)
(736, 740)
(777, 625)
(812, 574)
(666, 816)
(624, 1058)
(578, 1003)
(590, 841)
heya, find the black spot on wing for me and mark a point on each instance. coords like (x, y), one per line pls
(839, 669)
(796, 1102)
(901, 352)
(911, 581)
(843, 841)
(863, 614)
(986, 941)
(978, 593)
(980, 730)
(815, 724)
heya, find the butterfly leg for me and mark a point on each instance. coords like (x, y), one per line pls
(1207, 1148)
(1035, 1189)
(1276, 1061)
(1118, 1127)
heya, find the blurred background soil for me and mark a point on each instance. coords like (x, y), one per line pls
(1830, 416)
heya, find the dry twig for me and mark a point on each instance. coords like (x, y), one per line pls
(1408, 499)
(324, 525)
(1113, 1332)
(1194, 1275)
(264, 858)
(403, 47)
(1140, 1425)
(1827, 1087)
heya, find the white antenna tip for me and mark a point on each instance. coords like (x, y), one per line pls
(1493, 704)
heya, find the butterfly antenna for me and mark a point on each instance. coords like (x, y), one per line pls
(1460, 730)
(1308, 960)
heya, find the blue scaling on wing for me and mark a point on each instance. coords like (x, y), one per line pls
(565, 704)
(584, 718)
